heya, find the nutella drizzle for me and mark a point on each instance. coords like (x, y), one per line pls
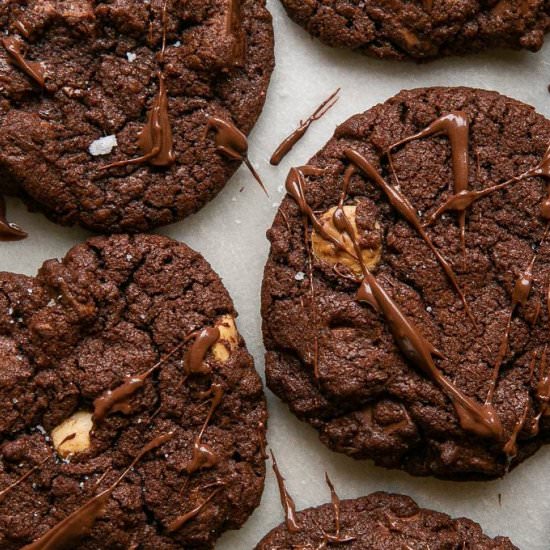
(115, 400)
(406, 210)
(32, 69)
(231, 143)
(289, 142)
(234, 31)
(203, 455)
(25, 476)
(155, 140)
(457, 128)
(9, 231)
(180, 521)
(194, 358)
(289, 507)
(80, 522)
(337, 538)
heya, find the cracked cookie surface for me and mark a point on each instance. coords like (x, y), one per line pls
(423, 29)
(126, 340)
(433, 358)
(380, 521)
(147, 76)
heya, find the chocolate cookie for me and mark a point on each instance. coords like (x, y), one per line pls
(132, 416)
(380, 521)
(407, 293)
(423, 29)
(126, 115)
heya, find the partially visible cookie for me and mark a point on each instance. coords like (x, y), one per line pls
(423, 29)
(127, 115)
(132, 416)
(406, 296)
(380, 521)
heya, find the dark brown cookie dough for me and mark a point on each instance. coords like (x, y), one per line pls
(96, 322)
(72, 73)
(381, 521)
(423, 29)
(411, 385)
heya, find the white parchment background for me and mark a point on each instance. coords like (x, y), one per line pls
(230, 233)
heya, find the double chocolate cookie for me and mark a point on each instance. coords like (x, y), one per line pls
(132, 416)
(423, 29)
(406, 299)
(380, 521)
(126, 115)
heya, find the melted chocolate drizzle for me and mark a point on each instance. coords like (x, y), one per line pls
(80, 522)
(234, 30)
(155, 140)
(180, 521)
(203, 455)
(231, 143)
(337, 538)
(457, 128)
(289, 507)
(289, 142)
(32, 69)
(402, 205)
(194, 358)
(9, 231)
(25, 476)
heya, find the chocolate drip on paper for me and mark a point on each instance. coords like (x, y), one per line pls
(9, 231)
(180, 521)
(66, 533)
(231, 143)
(402, 205)
(203, 455)
(474, 417)
(291, 521)
(457, 128)
(32, 69)
(337, 538)
(18, 482)
(289, 142)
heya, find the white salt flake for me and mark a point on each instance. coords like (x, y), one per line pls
(300, 276)
(129, 257)
(103, 146)
(131, 57)
(177, 44)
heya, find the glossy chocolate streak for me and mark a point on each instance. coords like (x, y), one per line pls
(180, 521)
(194, 358)
(234, 31)
(289, 142)
(457, 128)
(114, 400)
(291, 521)
(32, 69)
(407, 211)
(428, 5)
(231, 143)
(476, 418)
(9, 231)
(337, 538)
(66, 533)
(25, 476)
(203, 455)
(155, 140)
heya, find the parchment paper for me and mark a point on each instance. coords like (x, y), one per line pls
(230, 233)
